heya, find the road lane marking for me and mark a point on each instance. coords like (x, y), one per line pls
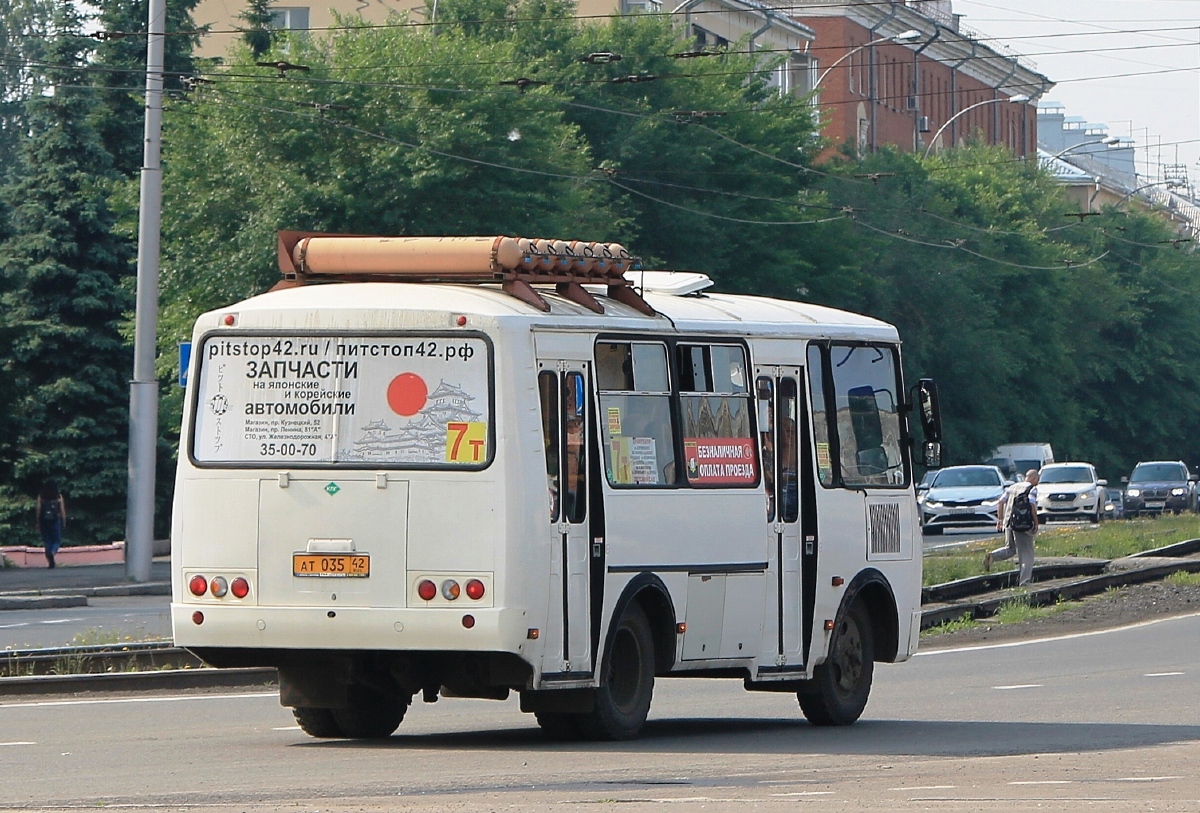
(61, 621)
(18, 743)
(114, 700)
(1019, 686)
(927, 787)
(286, 728)
(806, 793)
(14, 626)
(1145, 778)
(1051, 639)
(1162, 674)
(1045, 782)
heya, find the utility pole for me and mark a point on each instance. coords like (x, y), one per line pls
(143, 389)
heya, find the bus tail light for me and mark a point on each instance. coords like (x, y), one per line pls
(219, 586)
(427, 590)
(197, 618)
(475, 589)
(198, 585)
(450, 589)
(240, 588)
(468, 621)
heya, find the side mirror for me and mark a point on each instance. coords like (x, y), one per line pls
(930, 415)
(1124, 479)
(1192, 478)
(1102, 482)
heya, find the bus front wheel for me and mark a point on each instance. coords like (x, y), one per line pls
(317, 722)
(837, 693)
(627, 681)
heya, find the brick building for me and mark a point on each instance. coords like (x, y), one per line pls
(922, 71)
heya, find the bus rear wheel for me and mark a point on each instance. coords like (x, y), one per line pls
(626, 683)
(370, 715)
(317, 722)
(838, 691)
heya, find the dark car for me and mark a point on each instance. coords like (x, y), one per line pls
(1160, 485)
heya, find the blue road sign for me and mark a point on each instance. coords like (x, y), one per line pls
(185, 357)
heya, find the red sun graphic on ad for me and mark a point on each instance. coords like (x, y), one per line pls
(407, 393)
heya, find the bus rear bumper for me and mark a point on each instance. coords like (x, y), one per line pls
(350, 628)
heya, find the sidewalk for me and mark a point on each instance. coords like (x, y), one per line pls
(34, 588)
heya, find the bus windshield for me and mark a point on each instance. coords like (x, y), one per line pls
(379, 401)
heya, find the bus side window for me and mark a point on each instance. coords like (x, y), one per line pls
(548, 395)
(766, 434)
(868, 415)
(574, 488)
(715, 403)
(820, 416)
(635, 413)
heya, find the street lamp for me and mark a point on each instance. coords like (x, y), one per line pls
(904, 36)
(1020, 98)
(1107, 141)
(1171, 184)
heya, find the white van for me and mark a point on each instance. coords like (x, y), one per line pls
(1024, 456)
(503, 468)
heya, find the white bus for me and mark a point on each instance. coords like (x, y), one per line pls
(510, 465)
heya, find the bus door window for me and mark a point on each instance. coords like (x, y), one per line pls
(766, 434)
(548, 395)
(788, 479)
(574, 413)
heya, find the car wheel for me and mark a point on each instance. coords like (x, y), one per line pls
(838, 691)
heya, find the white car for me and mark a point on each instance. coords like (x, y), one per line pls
(1070, 491)
(961, 496)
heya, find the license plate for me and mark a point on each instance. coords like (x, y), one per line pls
(963, 510)
(331, 565)
(1155, 504)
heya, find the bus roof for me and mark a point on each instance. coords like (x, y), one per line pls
(703, 313)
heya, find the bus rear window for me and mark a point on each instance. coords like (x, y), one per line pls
(354, 401)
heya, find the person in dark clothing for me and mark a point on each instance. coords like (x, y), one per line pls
(51, 518)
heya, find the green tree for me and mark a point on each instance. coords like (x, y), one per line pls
(120, 63)
(63, 269)
(257, 35)
(24, 28)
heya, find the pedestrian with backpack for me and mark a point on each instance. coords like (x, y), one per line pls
(1016, 516)
(51, 518)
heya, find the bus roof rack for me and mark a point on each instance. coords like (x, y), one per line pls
(516, 263)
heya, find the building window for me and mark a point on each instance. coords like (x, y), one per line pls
(290, 18)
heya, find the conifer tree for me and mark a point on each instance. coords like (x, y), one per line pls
(62, 269)
(121, 60)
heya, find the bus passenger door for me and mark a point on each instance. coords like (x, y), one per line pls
(779, 417)
(566, 413)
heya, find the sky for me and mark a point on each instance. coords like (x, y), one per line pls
(1131, 64)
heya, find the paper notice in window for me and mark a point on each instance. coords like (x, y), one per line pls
(720, 461)
(644, 461)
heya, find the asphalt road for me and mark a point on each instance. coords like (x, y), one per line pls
(103, 620)
(1107, 721)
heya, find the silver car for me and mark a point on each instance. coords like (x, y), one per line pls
(961, 497)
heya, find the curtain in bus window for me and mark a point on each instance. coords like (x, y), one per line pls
(820, 416)
(718, 444)
(635, 413)
(868, 415)
(788, 478)
(574, 490)
(548, 396)
(766, 434)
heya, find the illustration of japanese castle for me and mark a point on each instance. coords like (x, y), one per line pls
(423, 438)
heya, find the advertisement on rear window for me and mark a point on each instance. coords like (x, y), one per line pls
(407, 401)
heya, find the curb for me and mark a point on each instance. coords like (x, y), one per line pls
(172, 679)
(41, 602)
(1052, 595)
(973, 585)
